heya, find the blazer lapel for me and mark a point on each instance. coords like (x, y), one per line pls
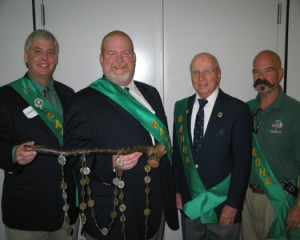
(144, 91)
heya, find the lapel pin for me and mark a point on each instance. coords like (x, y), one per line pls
(220, 114)
(38, 103)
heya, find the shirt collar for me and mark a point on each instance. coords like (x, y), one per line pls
(276, 104)
(212, 97)
(131, 85)
(39, 86)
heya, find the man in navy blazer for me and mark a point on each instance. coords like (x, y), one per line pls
(212, 172)
(132, 199)
(32, 201)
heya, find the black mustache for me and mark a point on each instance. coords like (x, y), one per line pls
(262, 82)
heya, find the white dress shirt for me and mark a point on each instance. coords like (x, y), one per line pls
(207, 110)
(135, 92)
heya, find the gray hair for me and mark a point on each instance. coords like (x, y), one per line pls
(40, 33)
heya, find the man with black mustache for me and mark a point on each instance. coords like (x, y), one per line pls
(272, 204)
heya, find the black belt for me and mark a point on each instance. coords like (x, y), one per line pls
(287, 185)
(256, 189)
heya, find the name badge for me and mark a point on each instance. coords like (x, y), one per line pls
(30, 112)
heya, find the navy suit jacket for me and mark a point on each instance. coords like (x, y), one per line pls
(32, 198)
(226, 150)
(94, 120)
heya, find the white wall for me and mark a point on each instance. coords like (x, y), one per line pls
(234, 31)
(15, 25)
(293, 74)
(166, 34)
(80, 26)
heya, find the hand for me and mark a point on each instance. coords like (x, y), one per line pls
(23, 156)
(178, 201)
(293, 218)
(126, 162)
(227, 216)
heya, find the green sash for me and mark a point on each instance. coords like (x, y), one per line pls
(204, 201)
(147, 119)
(37, 101)
(280, 201)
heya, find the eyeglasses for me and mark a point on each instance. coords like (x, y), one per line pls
(255, 120)
(206, 72)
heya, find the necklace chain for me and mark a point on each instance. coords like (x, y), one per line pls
(119, 207)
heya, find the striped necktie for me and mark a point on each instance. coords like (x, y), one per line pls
(47, 94)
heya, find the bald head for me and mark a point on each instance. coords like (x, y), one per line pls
(206, 57)
(270, 55)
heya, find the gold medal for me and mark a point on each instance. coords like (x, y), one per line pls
(147, 211)
(63, 185)
(82, 206)
(147, 168)
(91, 203)
(147, 179)
(104, 231)
(113, 214)
(122, 208)
(83, 218)
(122, 218)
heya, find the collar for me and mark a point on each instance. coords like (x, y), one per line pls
(211, 99)
(39, 86)
(131, 86)
(277, 104)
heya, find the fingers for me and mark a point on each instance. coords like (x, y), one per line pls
(227, 216)
(226, 222)
(179, 201)
(24, 157)
(127, 162)
(293, 218)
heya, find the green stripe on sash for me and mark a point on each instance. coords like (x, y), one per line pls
(38, 102)
(204, 201)
(280, 201)
(147, 119)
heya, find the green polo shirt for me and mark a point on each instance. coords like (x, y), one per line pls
(278, 133)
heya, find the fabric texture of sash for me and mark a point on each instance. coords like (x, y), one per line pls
(204, 201)
(280, 201)
(147, 119)
(38, 102)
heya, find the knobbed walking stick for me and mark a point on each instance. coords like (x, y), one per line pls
(155, 153)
